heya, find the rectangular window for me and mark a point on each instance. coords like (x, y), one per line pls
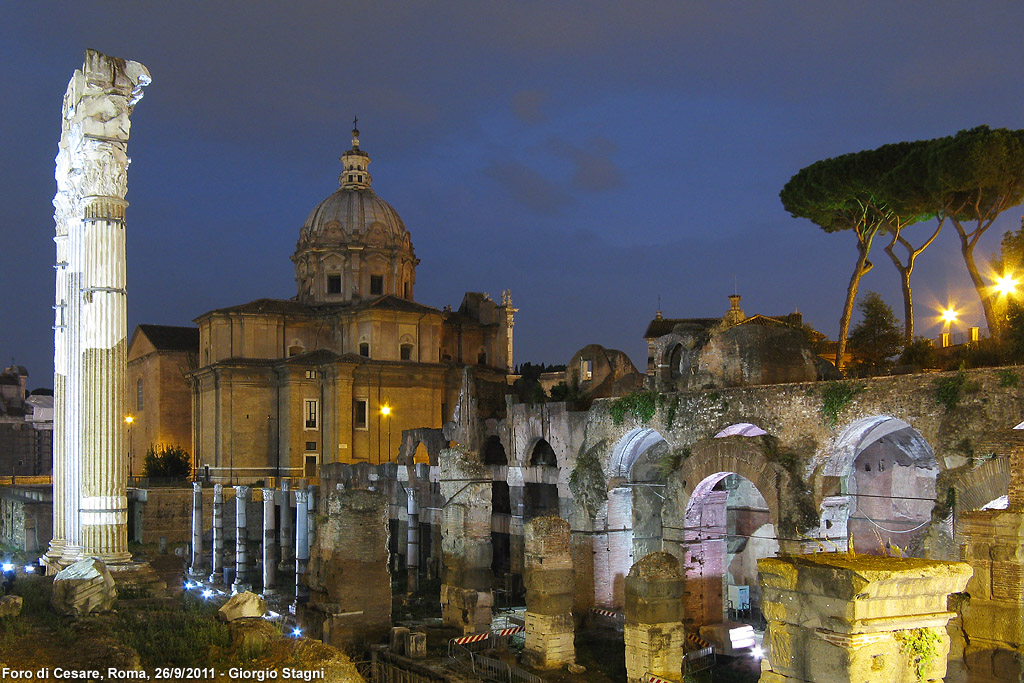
(311, 414)
(376, 284)
(310, 466)
(359, 413)
(406, 351)
(334, 284)
(310, 374)
(364, 349)
(311, 445)
(586, 370)
(138, 395)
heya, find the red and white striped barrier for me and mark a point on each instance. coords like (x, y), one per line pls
(605, 612)
(510, 631)
(694, 638)
(651, 678)
(475, 638)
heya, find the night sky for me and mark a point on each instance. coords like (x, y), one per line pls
(590, 157)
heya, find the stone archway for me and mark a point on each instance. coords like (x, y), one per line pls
(722, 515)
(983, 485)
(632, 515)
(540, 481)
(878, 487)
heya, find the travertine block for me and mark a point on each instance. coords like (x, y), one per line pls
(840, 617)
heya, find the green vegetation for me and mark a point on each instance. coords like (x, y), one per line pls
(948, 390)
(835, 396)
(167, 462)
(876, 339)
(670, 415)
(922, 646)
(172, 636)
(640, 404)
(670, 461)
(586, 481)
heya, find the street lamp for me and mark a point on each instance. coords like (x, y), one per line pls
(385, 410)
(131, 469)
(1006, 285)
(949, 316)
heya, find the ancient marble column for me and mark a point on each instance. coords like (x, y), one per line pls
(241, 584)
(90, 330)
(843, 618)
(269, 543)
(198, 562)
(654, 618)
(311, 530)
(301, 546)
(287, 538)
(216, 568)
(548, 575)
(412, 551)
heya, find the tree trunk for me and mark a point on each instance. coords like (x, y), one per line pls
(863, 266)
(967, 249)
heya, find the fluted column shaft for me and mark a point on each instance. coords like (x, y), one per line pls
(216, 567)
(269, 542)
(242, 494)
(198, 562)
(301, 546)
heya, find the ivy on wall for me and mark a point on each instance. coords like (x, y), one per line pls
(640, 404)
(835, 396)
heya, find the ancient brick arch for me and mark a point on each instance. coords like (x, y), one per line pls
(432, 439)
(740, 455)
(983, 484)
(628, 451)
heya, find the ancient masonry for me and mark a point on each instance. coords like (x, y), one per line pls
(654, 618)
(90, 327)
(550, 629)
(838, 617)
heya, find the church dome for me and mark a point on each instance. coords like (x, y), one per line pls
(354, 245)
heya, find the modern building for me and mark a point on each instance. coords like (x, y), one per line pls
(338, 372)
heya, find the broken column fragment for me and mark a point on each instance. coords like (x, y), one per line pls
(548, 574)
(348, 578)
(466, 553)
(654, 618)
(841, 617)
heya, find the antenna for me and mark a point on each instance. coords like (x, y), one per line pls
(735, 287)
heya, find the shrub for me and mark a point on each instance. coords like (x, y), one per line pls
(167, 462)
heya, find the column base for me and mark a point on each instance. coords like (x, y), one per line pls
(237, 588)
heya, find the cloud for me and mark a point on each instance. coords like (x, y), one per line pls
(526, 105)
(595, 168)
(529, 187)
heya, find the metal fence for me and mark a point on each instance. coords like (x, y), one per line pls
(486, 668)
(698, 660)
(379, 671)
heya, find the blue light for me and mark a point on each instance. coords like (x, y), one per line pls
(8, 567)
(29, 569)
(296, 631)
(207, 593)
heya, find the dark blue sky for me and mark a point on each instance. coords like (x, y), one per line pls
(588, 156)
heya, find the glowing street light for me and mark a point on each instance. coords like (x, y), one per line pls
(129, 420)
(385, 411)
(1006, 285)
(949, 315)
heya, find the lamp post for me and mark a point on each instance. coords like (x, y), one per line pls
(131, 465)
(385, 410)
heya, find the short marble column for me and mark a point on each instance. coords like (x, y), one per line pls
(311, 495)
(301, 546)
(412, 551)
(843, 618)
(269, 543)
(287, 538)
(198, 563)
(242, 496)
(216, 568)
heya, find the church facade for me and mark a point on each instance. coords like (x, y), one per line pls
(338, 372)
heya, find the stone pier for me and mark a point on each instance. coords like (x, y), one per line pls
(992, 542)
(90, 505)
(412, 547)
(466, 578)
(241, 584)
(548, 575)
(198, 567)
(216, 557)
(838, 617)
(654, 618)
(348, 578)
(269, 543)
